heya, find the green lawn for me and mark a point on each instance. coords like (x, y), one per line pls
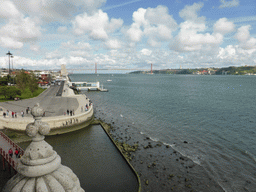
(26, 94)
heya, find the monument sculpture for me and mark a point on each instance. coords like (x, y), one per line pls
(40, 169)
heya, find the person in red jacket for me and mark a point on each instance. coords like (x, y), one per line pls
(16, 153)
(10, 152)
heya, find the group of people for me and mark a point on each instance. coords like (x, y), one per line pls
(70, 112)
(16, 152)
(14, 114)
(86, 106)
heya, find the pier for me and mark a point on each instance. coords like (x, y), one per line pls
(88, 86)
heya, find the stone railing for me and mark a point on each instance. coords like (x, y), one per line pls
(56, 122)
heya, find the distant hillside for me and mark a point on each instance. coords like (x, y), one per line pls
(244, 70)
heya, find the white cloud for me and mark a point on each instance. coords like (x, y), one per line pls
(18, 29)
(134, 33)
(23, 24)
(234, 54)
(53, 10)
(190, 12)
(243, 33)
(191, 36)
(223, 26)
(23, 29)
(76, 46)
(227, 53)
(243, 36)
(80, 53)
(154, 23)
(96, 26)
(62, 29)
(113, 44)
(146, 52)
(8, 10)
(35, 48)
(8, 42)
(53, 55)
(232, 3)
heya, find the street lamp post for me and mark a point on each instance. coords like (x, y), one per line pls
(12, 70)
(9, 54)
(12, 62)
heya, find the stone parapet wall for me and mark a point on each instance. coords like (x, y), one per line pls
(56, 122)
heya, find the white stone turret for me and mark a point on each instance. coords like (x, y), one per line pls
(40, 169)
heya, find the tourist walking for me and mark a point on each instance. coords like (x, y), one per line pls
(4, 114)
(16, 153)
(10, 152)
(22, 113)
(70, 112)
(15, 114)
(12, 114)
(67, 112)
(7, 112)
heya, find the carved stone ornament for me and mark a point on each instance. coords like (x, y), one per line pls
(40, 169)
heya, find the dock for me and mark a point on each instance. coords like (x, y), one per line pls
(87, 86)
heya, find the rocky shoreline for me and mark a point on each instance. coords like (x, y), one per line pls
(159, 167)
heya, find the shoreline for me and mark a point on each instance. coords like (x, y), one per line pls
(160, 167)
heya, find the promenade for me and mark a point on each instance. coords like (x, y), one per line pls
(55, 108)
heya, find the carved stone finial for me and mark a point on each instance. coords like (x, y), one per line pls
(37, 112)
(40, 168)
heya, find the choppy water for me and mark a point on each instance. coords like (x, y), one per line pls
(214, 114)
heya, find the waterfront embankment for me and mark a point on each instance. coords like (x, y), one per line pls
(159, 166)
(57, 111)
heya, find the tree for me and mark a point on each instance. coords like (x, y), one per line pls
(22, 79)
(4, 80)
(25, 80)
(3, 91)
(33, 85)
(9, 91)
(12, 92)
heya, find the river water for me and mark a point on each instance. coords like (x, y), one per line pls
(214, 115)
(94, 159)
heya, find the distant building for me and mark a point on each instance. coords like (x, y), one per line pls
(64, 72)
(44, 78)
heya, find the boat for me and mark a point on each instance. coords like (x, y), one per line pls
(109, 79)
(102, 89)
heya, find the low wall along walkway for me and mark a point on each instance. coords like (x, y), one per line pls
(58, 124)
(54, 122)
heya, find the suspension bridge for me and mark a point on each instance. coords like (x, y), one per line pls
(96, 69)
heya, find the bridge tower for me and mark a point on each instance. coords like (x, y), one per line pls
(95, 68)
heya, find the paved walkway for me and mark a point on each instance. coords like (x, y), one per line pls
(52, 104)
(5, 144)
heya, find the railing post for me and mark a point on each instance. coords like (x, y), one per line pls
(3, 159)
(9, 166)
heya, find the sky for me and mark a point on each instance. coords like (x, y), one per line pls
(127, 35)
